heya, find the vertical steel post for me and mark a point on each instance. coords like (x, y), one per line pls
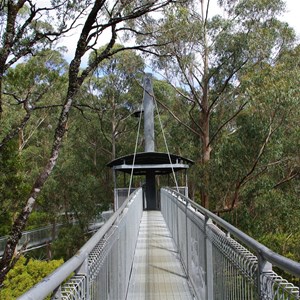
(115, 190)
(209, 261)
(84, 270)
(148, 102)
(186, 190)
(187, 238)
(177, 226)
(149, 140)
(263, 267)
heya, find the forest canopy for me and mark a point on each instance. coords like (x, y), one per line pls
(227, 89)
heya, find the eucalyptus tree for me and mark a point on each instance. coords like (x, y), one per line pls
(25, 29)
(266, 130)
(116, 85)
(206, 52)
(99, 17)
(38, 81)
(32, 86)
(265, 144)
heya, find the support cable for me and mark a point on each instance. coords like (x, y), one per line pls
(134, 154)
(166, 144)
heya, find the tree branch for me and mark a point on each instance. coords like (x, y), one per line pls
(226, 122)
(288, 178)
(225, 85)
(177, 118)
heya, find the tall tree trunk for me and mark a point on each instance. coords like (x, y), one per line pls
(206, 150)
(205, 113)
(7, 261)
(12, 11)
(91, 32)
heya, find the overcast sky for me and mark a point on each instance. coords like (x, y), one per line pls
(292, 15)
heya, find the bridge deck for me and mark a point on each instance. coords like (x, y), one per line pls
(157, 272)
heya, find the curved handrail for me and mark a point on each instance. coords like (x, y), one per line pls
(52, 281)
(41, 236)
(264, 252)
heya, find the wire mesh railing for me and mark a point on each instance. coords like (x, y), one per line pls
(101, 268)
(120, 196)
(36, 238)
(33, 238)
(221, 262)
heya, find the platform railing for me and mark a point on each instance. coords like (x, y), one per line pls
(33, 239)
(221, 261)
(120, 196)
(39, 237)
(101, 268)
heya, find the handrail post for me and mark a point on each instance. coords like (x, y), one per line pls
(232, 264)
(177, 226)
(264, 267)
(57, 294)
(84, 270)
(187, 238)
(208, 261)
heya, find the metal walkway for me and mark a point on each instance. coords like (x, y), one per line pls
(132, 256)
(157, 271)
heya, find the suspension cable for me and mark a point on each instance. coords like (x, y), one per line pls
(134, 154)
(165, 141)
(166, 144)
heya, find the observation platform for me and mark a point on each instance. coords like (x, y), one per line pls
(157, 271)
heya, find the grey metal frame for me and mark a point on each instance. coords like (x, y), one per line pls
(101, 268)
(120, 195)
(36, 238)
(221, 261)
(33, 239)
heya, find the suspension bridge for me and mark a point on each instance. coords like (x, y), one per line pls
(163, 245)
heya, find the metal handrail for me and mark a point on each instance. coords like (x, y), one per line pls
(56, 278)
(35, 237)
(39, 237)
(262, 251)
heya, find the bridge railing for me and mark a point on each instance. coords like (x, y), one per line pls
(221, 261)
(36, 238)
(101, 268)
(120, 195)
(33, 238)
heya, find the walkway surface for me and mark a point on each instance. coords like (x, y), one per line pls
(157, 272)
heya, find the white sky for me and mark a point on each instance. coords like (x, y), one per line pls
(291, 16)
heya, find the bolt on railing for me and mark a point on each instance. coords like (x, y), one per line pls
(101, 268)
(221, 261)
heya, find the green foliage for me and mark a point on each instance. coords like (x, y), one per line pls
(24, 275)
(13, 185)
(38, 81)
(242, 58)
(275, 211)
(283, 242)
(117, 93)
(38, 219)
(287, 244)
(70, 239)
